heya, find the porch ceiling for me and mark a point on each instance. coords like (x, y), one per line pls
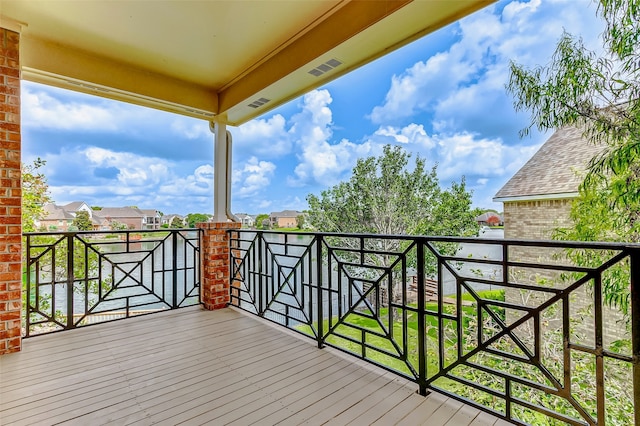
(206, 58)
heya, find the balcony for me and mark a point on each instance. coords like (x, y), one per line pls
(522, 332)
(439, 330)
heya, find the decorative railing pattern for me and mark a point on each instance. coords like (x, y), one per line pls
(515, 328)
(74, 279)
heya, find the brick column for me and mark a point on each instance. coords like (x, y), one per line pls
(10, 194)
(214, 286)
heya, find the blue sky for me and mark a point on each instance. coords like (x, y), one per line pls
(441, 97)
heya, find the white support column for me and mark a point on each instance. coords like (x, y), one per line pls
(220, 173)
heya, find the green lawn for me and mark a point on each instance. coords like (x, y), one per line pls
(363, 329)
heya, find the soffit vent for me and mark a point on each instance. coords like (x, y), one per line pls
(259, 102)
(325, 67)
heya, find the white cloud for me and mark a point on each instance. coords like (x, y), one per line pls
(54, 109)
(134, 170)
(410, 134)
(418, 86)
(321, 161)
(199, 183)
(191, 129)
(253, 178)
(40, 110)
(128, 179)
(264, 137)
(264, 204)
(470, 155)
(466, 83)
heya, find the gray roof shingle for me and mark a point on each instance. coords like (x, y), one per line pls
(554, 169)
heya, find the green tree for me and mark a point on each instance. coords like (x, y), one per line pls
(35, 194)
(176, 223)
(300, 221)
(193, 218)
(597, 93)
(82, 221)
(601, 95)
(383, 196)
(260, 221)
(118, 226)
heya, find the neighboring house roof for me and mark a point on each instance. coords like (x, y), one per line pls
(553, 171)
(286, 213)
(114, 212)
(484, 217)
(102, 217)
(53, 212)
(74, 206)
(172, 215)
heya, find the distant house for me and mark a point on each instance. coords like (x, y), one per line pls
(60, 218)
(152, 219)
(246, 220)
(131, 217)
(284, 219)
(489, 219)
(55, 218)
(537, 199)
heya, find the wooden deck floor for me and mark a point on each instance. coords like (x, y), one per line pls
(194, 367)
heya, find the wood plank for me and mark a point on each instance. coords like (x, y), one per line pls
(379, 410)
(364, 405)
(323, 410)
(425, 409)
(398, 412)
(484, 419)
(445, 412)
(196, 366)
(464, 416)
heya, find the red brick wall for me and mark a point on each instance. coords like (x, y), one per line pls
(10, 194)
(214, 286)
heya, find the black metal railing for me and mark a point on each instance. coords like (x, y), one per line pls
(74, 279)
(534, 332)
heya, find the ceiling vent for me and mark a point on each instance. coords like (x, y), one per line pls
(325, 67)
(259, 102)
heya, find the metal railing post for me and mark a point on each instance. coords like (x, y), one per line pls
(231, 268)
(70, 277)
(174, 248)
(27, 308)
(259, 295)
(634, 266)
(319, 291)
(422, 350)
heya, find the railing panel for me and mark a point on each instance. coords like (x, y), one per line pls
(534, 332)
(74, 279)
